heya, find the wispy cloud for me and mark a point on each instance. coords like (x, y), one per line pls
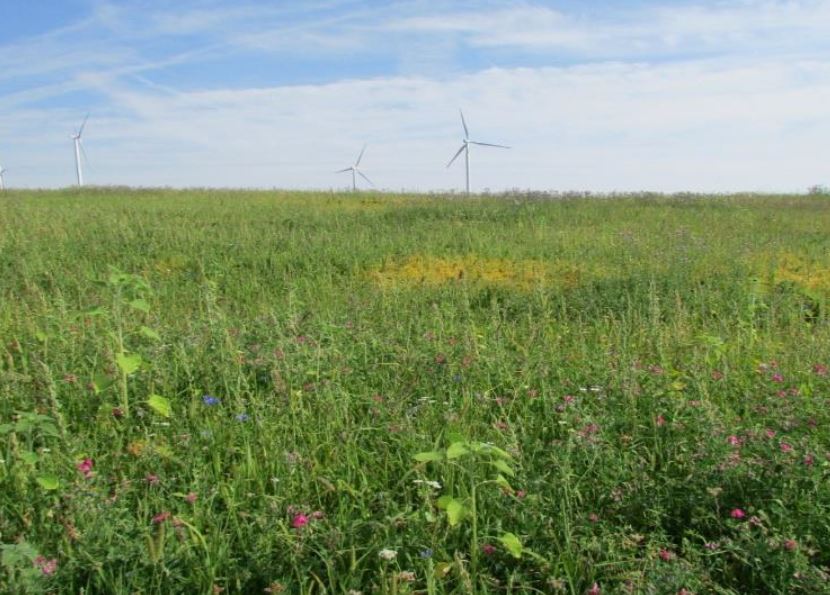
(691, 28)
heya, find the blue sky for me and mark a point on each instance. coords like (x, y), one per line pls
(596, 95)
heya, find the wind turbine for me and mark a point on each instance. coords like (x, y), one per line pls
(465, 148)
(355, 169)
(78, 149)
(2, 181)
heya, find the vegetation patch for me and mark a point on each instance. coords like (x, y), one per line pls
(521, 275)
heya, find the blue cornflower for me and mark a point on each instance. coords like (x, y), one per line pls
(210, 400)
(243, 417)
(426, 554)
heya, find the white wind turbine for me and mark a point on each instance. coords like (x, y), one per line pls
(2, 179)
(78, 150)
(355, 169)
(465, 148)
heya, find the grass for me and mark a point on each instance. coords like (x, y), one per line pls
(413, 394)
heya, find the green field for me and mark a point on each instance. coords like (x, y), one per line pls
(248, 392)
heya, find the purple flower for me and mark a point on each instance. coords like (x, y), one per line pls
(210, 400)
(243, 417)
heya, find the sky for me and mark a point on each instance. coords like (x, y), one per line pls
(591, 95)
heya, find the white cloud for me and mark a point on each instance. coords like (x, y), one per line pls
(702, 125)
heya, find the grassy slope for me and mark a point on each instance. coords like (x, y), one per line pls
(668, 322)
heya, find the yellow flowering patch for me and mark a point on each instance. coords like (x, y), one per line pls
(136, 448)
(810, 276)
(500, 272)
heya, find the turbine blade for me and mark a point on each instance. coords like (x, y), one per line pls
(456, 155)
(472, 142)
(342, 171)
(359, 157)
(362, 175)
(81, 129)
(464, 124)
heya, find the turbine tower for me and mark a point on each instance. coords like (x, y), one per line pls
(355, 169)
(78, 149)
(465, 148)
(2, 180)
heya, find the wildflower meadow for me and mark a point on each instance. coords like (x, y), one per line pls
(274, 392)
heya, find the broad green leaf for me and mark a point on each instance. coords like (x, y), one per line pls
(455, 512)
(454, 437)
(15, 554)
(160, 405)
(101, 382)
(443, 501)
(164, 451)
(442, 569)
(457, 450)
(116, 277)
(502, 466)
(512, 544)
(498, 452)
(41, 336)
(150, 333)
(140, 304)
(425, 457)
(504, 484)
(48, 482)
(29, 457)
(128, 363)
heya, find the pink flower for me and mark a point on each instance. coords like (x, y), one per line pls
(778, 377)
(820, 370)
(594, 590)
(152, 479)
(47, 567)
(593, 517)
(300, 521)
(191, 497)
(769, 433)
(666, 555)
(85, 468)
(734, 440)
(785, 447)
(520, 494)
(737, 513)
(790, 545)
(660, 421)
(809, 460)
(488, 549)
(161, 517)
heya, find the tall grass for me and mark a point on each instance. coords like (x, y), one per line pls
(205, 392)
